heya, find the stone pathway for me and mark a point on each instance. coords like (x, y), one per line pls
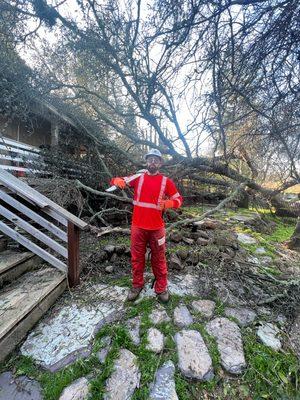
(68, 333)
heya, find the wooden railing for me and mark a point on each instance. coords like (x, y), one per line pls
(40, 211)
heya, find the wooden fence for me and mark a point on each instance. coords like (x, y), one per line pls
(40, 211)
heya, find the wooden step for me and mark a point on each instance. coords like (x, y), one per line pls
(14, 264)
(23, 302)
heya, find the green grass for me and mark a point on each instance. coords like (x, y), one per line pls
(270, 374)
(124, 281)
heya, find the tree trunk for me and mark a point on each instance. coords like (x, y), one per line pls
(294, 242)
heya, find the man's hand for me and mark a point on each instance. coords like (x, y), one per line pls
(119, 182)
(164, 204)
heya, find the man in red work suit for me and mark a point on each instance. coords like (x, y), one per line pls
(153, 193)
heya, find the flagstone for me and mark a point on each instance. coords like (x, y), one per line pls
(194, 360)
(125, 378)
(163, 387)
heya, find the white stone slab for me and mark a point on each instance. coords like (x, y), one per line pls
(164, 385)
(229, 342)
(205, 307)
(244, 316)
(159, 315)
(155, 340)
(268, 334)
(66, 333)
(182, 317)
(78, 390)
(193, 357)
(125, 378)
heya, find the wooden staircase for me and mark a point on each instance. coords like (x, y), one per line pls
(27, 289)
(26, 294)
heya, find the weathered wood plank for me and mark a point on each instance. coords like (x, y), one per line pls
(10, 275)
(33, 215)
(19, 331)
(21, 223)
(33, 247)
(22, 296)
(9, 259)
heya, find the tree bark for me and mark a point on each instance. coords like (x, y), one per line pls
(294, 242)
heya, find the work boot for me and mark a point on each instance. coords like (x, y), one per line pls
(163, 296)
(134, 293)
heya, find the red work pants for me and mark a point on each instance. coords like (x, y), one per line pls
(157, 242)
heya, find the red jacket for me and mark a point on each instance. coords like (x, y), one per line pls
(148, 191)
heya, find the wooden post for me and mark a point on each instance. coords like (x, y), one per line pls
(73, 254)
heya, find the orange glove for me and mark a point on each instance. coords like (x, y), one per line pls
(164, 204)
(119, 182)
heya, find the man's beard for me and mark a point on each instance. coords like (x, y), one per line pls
(152, 168)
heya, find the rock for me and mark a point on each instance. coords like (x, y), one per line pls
(182, 317)
(225, 238)
(241, 218)
(188, 241)
(110, 249)
(193, 258)
(155, 340)
(268, 335)
(159, 315)
(202, 234)
(266, 260)
(109, 269)
(163, 387)
(229, 342)
(124, 379)
(175, 263)
(260, 251)
(100, 256)
(205, 307)
(281, 319)
(230, 252)
(19, 388)
(202, 242)
(114, 257)
(193, 357)
(182, 254)
(78, 390)
(244, 316)
(120, 249)
(176, 237)
(208, 224)
(102, 354)
(133, 326)
(245, 239)
(294, 337)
